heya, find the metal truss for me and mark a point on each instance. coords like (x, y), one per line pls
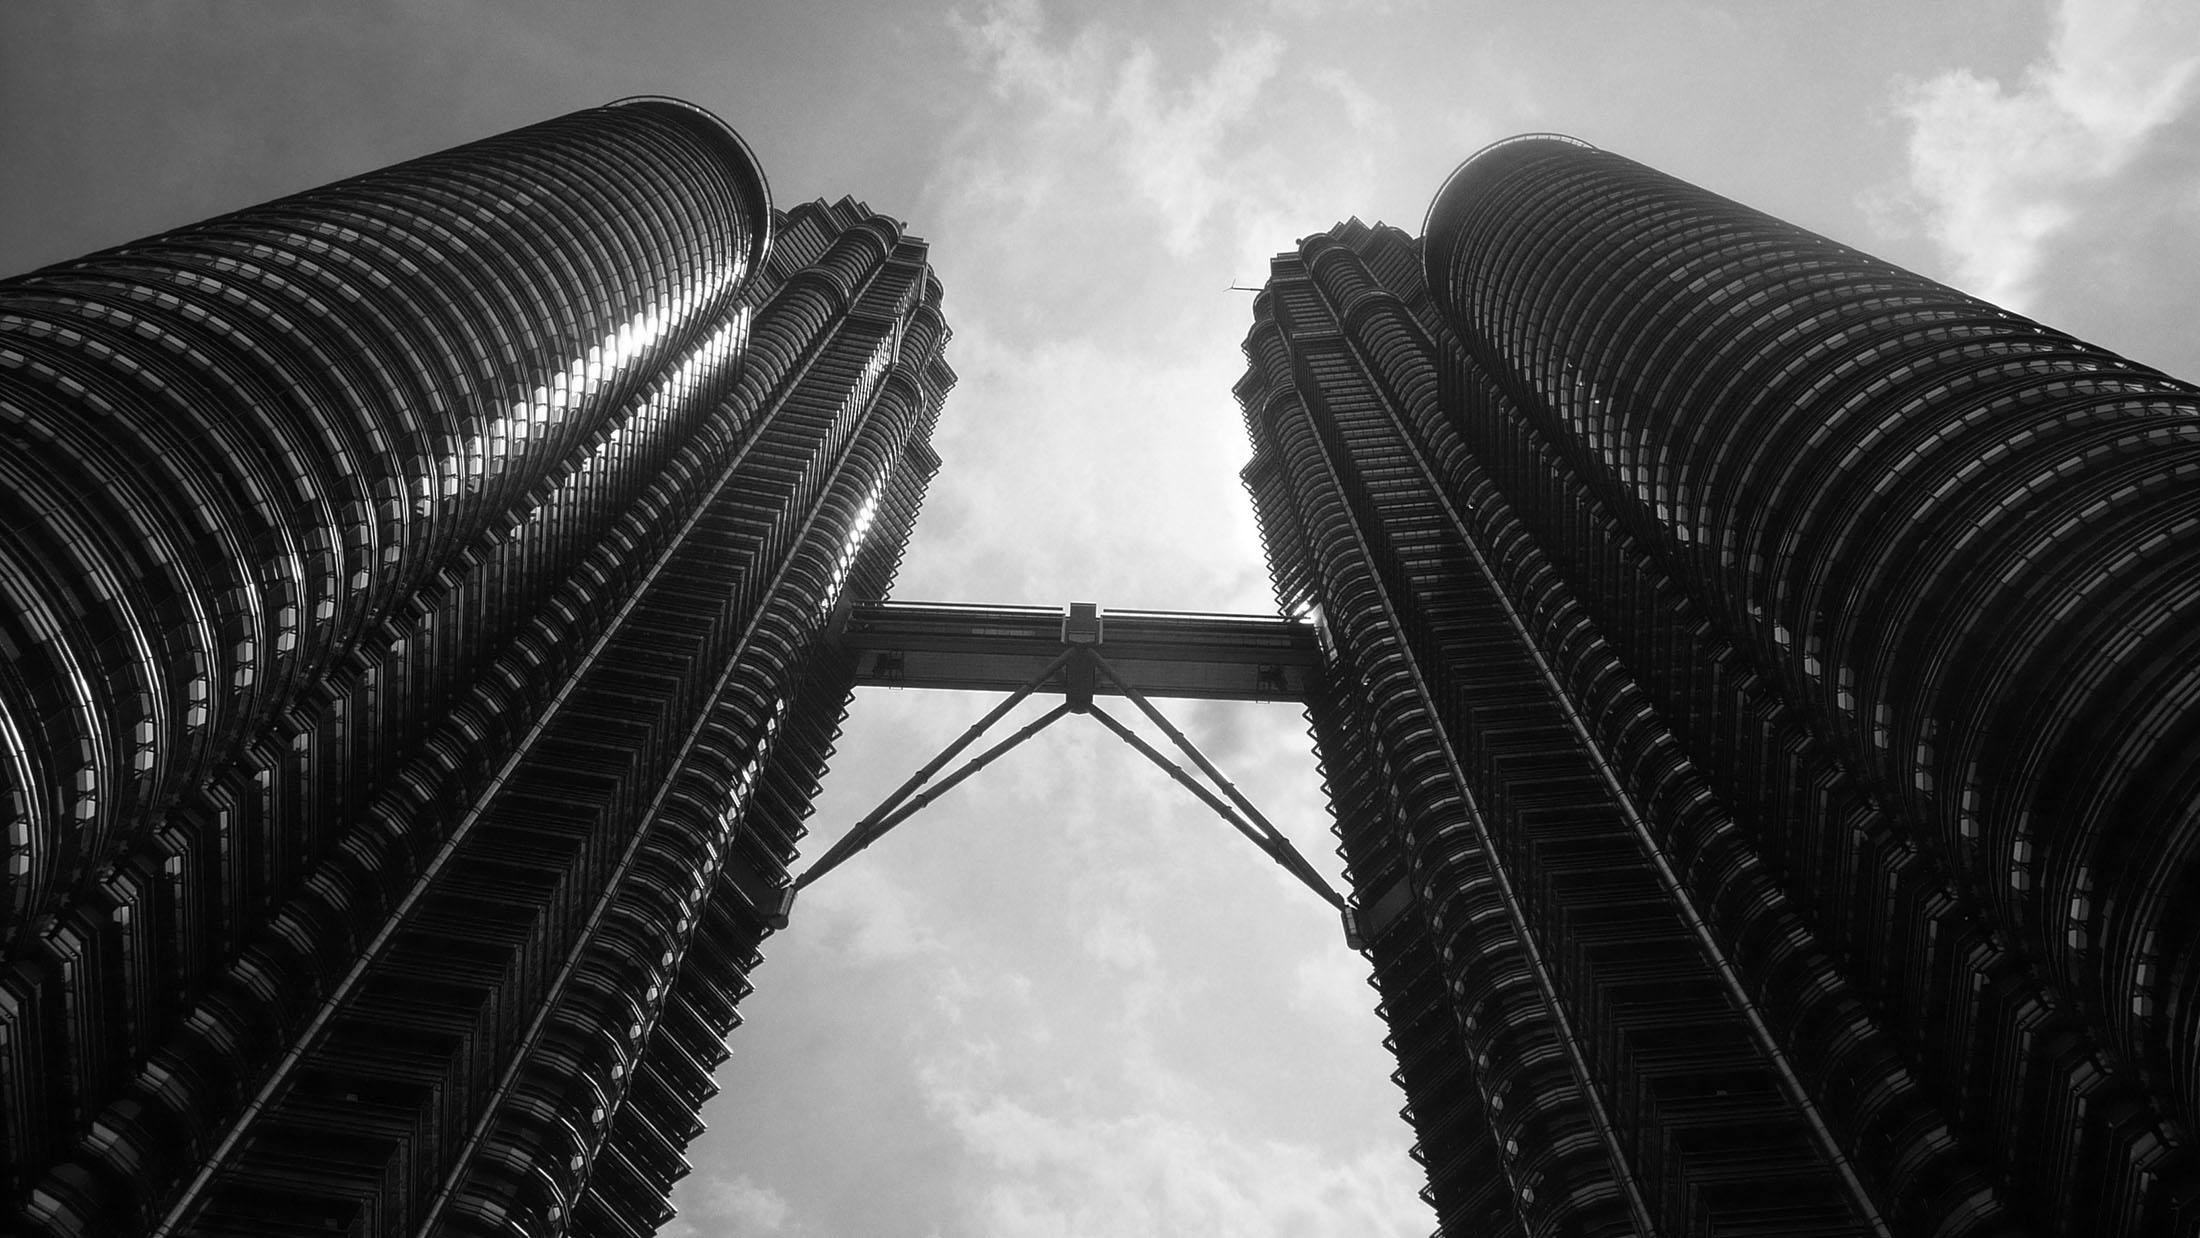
(1082, 672)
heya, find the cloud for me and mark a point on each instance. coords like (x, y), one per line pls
(1369, 116)
(865, 915)
(1023, 67)
(1170, 143)
(1104, 121)
(1105, 421)
(1155, 1173)
(1333, 983)
(1310, 10)
(1997, 174)
(1114, 939)
(730, 1205)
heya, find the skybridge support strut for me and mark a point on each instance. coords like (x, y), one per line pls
(1260, 830)
(885, 817)
(1083, 671)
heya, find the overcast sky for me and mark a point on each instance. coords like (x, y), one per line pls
(1065, 1001)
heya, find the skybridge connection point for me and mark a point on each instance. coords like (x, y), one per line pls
(1354, 937)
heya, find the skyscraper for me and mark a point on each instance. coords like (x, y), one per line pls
(1758, 694)
(413, 594)
(1762, 713)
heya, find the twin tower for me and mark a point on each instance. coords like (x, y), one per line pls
(1758, 690)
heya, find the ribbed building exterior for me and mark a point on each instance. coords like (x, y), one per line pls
(412, 594)
(1763, 715)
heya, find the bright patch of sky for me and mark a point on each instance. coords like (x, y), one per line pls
(2001, 170)
(1064, 1000)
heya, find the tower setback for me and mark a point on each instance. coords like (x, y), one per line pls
(1761, 716)
(414, 592)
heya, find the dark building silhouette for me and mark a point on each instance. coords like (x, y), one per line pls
(412, 594)
(1763, 715)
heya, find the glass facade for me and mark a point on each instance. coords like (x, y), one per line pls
(1761, 726)
(414, 601)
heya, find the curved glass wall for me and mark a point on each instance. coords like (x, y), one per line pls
(415, 677)
(1904, 572)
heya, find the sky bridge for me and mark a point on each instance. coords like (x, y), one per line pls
(1081, 652)
(1157, 653)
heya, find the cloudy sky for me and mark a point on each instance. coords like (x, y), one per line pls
(1064, 1001)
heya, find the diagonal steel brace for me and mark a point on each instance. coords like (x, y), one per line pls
(1270, 840)
(891, 811)
(906, 800)
(1277, 844)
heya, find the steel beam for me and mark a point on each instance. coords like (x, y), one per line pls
(1158, 653)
